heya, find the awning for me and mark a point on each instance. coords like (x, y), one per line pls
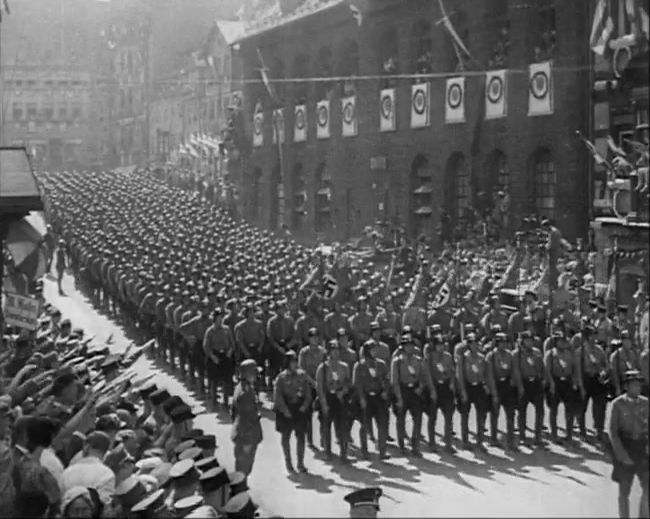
(424, 189)
(18, 189)
(425, 210)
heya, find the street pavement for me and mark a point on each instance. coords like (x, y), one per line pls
(562, 482)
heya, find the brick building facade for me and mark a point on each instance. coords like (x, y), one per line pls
(332, 188)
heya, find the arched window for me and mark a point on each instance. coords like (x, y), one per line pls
(495, 177)
(255, 193)
(499, 24)
(322, 200)
(388, 56)
(457, 186)
(299, 196)
(421, 184)
(422, 49)
(542, 171)
(324, 68)
(300, 88)
(349, 66)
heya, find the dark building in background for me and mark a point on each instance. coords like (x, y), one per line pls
(333, 187)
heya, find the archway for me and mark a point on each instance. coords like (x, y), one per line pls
(542, 182)
(457, 187)
(421, 201)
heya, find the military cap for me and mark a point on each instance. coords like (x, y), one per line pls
(501, 336)
(240, 505)
(404, 339)
(192, 434)
(290, 355)
(203, 512)
(530, 293)
(110, 363)
(66, 322)
(526, 334)
(172, 402)
(249, 365)
(632, 375)
(616, 342)
(147, 390)
(206, 441)
(495, 328)
(205, 464)
(471, 337)
(188, 504)
(159, 396)
(193, 453)
(625, 333)
(375, 326)
(182, 469)
(341, 332)
(146, 465)
(184, 445)
(148, 506)
(130, 491)
(213, 479)
(238, 482)
(364, 497)
(601, 308)
(622, 309)
(181, 413)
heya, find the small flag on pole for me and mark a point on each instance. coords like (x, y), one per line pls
(452, 31)
(265, 78)
(598, 158)
(601, 28)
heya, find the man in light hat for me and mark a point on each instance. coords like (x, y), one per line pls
(364, 503)
(628, 432)
(531, 375)
(309, 358)
(246, 431)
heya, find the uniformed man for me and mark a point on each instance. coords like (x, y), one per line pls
(359, 323)
(309, 358)
(250, 337)
(334, 321)
(628, 432)
(293, 400)
(624, 358)
(409, 382)
(530, 367)
(364, 503)
(593, 369)
(219, 350)
(440, 364)
(472, 376)
(644, 359)
(246, 430)
(504, 389)
(279, 332)
(193, 332)
(333, 382)
(563, 381)
(371, 382)
(383, 351)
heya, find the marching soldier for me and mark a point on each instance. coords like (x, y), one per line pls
(503, 379)
(246, 430)
(309, 358)
(472, 376)
(440, 364)
(563, 383)
(360, 323)
(293, 399)
(279, 331)
(645, 365)
(382, 350)
(334, 321)
(530, 367)
(193, 331)
(628, 432)
(409, 382)
(593, 368)
(334, 380)
(159, 309)
(371, 382)
(624, 358)
(250, 337)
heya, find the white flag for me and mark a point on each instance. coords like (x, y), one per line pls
(455, 100)
(258, 126)
(278, 125)
(387, 110)
(323, 119)
(349, 116)
(495, 94)
(540, 89)
(300, 123)
(420, 98)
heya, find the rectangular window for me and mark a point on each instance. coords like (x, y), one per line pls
(48, 111)
(31, 111)
(601, 116)
(62, 112)
(76, 110)
(17, 111)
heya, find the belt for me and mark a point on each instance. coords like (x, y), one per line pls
(372, 393)
(503, 379)
(533, 379)
(332, 391)
(562, 378)
(410, 385)
(474, 384)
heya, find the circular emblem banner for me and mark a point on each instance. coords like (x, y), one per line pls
(257, 125)
(300, 119)
(348, 112)
(419, 102)
(539, 85)
(495, 89)
(454, 95)
(386, 106)
(323, 116)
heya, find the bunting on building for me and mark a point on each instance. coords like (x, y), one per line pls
(495, 94)
(349, 116)
(278, 125)
(323, 119)
(387, 110)
(540, 89)
(420, 99)
(300, 123)
(455, 100)
(258, 125)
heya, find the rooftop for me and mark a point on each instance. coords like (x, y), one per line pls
(230, 30)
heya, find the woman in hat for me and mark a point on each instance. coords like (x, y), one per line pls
(82, 503)
(246, 430)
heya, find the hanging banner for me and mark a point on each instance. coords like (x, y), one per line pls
(387, 110)
(278, 125)
(258, 126)
(495, 94)
(323, 119)
(540, 89)
(300, 123)
(420, 98)
(21, 311)
(349, 116)
(455, 100)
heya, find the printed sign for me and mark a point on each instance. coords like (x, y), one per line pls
(21, 311)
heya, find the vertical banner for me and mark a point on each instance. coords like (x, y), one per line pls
(278, 125)
(349, 116)
(300, 123)
(420, 99)
(495, 94)
(387, 110)
(455, 100)
(540, 89)
(258, 126)
(323, 119)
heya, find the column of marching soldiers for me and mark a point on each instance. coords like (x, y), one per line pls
(215, 292)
